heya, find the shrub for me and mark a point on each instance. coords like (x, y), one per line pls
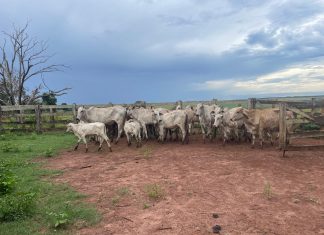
(310, 127)
(154, 191)
(7, 180)
(49, 152)
(59, 220)
(16, 206)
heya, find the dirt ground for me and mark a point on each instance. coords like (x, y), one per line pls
(252, 191)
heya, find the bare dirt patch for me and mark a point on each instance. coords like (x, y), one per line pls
(252, 191)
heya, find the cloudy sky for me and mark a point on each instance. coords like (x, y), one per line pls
(164, 50)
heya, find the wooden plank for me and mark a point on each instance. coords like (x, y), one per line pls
(17, 107)
(56, 106)
(38, 119)
(301, 113)
(312, 104)
(304, 147)
(307, 134)
(282, 126)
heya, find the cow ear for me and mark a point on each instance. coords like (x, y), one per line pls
(161, 114)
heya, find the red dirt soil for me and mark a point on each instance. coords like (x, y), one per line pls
(253, 191)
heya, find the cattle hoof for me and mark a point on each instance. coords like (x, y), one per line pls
(99, 149)
(86, 150)
(110, 149)
(129, 144)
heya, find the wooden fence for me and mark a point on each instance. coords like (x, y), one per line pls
(311, 110)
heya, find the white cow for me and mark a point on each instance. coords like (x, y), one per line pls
(133, 128)
(81, 130)
(224, 123)
(206, 115)
(172, 120)
(109, 115)
(144, 117)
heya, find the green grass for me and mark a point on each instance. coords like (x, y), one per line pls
(154, 192)
(54, 203)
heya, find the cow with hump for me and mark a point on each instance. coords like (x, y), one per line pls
(109, 115)
(173, 120)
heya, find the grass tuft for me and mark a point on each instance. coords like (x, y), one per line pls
(267, 191)
(154, 192)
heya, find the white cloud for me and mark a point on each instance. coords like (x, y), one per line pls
(297, 79)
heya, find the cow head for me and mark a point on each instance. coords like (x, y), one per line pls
(218, 120)
(239, 114)
(69, 127)
(81, 115)
(199, 109)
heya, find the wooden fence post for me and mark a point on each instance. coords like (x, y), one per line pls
(22, 119)
(282, 127)
(52, 119)
(251, 103)
(74, 111)
(1, 127)
(313, 106)
(38, 119)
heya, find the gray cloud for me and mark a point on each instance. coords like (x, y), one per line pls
(163, 47)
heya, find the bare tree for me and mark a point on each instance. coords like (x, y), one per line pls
(24, 58)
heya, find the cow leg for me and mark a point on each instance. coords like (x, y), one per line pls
(128, 139)
(140, 139)
(253, 140)
(101, 141)
(120, 131)
(183, 132)
(108, 143)
(137, 141)
(77, 145)
(85, 142)
(203, 132)
(145, 131)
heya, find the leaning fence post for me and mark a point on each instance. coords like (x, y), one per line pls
(251, 103)
(74, 109)
(282, 127)
(38, 119)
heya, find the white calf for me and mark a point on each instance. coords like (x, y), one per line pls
(133, 128)
(81, 130)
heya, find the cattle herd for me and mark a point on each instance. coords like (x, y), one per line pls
(235, 124)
